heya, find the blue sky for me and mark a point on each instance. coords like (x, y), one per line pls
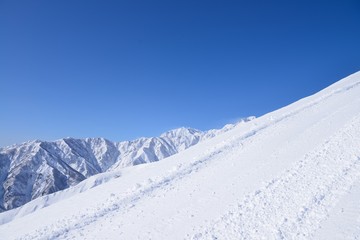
(125, 69)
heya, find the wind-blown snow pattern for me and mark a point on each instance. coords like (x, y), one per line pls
(38, 168)
(290, 174)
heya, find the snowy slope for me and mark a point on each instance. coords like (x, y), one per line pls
(291, 174)
(38, 168)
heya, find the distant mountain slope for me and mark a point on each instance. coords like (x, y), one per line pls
(38, 168)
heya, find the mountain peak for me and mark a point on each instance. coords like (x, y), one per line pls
(180, 132)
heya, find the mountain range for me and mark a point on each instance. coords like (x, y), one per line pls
(37, 168)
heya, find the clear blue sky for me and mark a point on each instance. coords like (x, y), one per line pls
(125, 69)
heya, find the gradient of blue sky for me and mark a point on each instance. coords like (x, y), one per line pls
(125, 69)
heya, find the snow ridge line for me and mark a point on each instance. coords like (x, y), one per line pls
(318, 180)
(116, 204)
(318, 100)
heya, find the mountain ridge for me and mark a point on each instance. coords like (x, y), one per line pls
(37, 168)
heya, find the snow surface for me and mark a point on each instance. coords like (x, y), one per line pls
(290, 174)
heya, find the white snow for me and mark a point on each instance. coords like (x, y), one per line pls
(291, 174)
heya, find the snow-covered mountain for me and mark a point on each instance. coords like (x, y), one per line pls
(291, 174)
(38, 168)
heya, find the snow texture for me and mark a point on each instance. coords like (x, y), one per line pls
(290, 174)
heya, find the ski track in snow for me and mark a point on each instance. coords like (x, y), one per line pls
(304, 193)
